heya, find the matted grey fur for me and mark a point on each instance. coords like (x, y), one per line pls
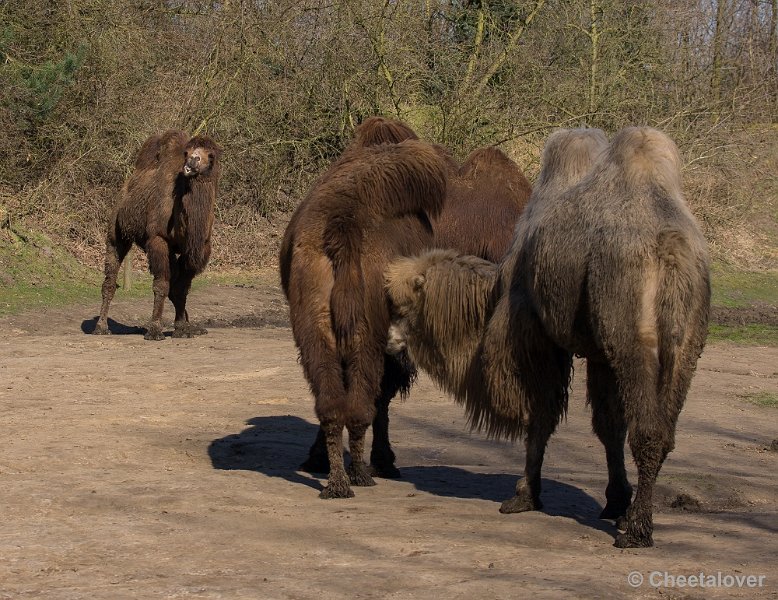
(614, 269)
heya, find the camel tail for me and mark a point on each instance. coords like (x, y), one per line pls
(683, 307)
(342, 241)
(405, 178)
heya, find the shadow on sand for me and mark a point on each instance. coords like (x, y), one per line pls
(276, 446)
(116, 328)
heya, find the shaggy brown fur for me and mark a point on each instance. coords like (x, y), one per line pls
(614, 269)
(451, 350)
(380, 130)
(398, 372)
(443, 336)
(372, 205)
(166, 208)
(485, 199)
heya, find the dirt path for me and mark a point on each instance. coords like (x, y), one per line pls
(132, 469)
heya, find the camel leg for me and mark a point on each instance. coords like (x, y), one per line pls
(651, 432)
(547, 398)
(338, 483)
(179, 290)
(399, 374)
(609, 425)
(114, 255)
(528, 487)
(358, 471)
(651, 419)
(381, 456)
(398, 377)
(160, 266)
(649, 452)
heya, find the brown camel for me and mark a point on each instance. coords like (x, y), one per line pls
(167, 209)
(399, 373)
(372, 205)
(484, 198)
(614, 269)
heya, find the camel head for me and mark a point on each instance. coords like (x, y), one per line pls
(201, 156)
(405, 279)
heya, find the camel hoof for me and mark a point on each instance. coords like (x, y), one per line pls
(336, 491)
(360, 476)
(519, 504)
(625, 540)
(101, 330)
(154, 334)
(182, 332)
(385, 471)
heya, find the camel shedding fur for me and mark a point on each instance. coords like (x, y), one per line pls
(373, 205)
(608, 264)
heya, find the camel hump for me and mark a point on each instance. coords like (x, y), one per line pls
(488, 158)
(648, 156)
(569, 154)
(148, 155)
(380, 130)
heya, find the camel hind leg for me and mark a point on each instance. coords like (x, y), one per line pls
(161, 264)
(547, 397)
(114, 255)
(650, 427)
(180, 284)
(323, 371)
(358, 471)
(398, 376)
(337, 482)
(609, 425)
(653, 401)
(363, 388)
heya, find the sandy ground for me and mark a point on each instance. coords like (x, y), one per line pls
(134, 469)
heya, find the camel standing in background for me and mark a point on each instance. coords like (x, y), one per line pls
(167, 209)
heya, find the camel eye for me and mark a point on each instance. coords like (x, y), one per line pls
(186, 153)
(210, 156)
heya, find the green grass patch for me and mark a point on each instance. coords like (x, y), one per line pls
(35, 272)
(766, 399)
(738, 289)
(747, 335)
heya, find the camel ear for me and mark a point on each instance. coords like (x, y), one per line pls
(418, 282)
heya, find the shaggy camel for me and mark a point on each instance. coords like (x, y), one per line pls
(372, 205)
(484, 198)
(614, 269)
(398, 372)
(166, 208)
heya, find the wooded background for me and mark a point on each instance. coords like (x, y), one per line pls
(282, 84)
